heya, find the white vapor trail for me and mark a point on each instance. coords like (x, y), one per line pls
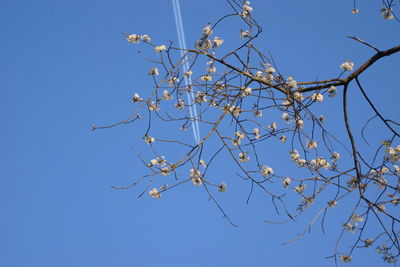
(188, 80)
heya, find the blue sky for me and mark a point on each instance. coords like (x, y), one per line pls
(65, 65)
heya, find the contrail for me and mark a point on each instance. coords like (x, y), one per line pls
(188, 80)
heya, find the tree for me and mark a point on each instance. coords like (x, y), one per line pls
(228, 93)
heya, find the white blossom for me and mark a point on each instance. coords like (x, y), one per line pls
(188, 73)
(258, 113)
(203, 163)
(166, 95)
(154, 193)
(160, 48)
(356, 218)
(335, 156)
(311, 144)
(301, 163)
(332, 91)
(384, 170)
(153, 106)
(217, 42)
(154, 71)
(136, 98)
(239, 135)
(349, 227)
(396, 169)
(211, 69)
(246, 91)
(153, 162)
(291, 83)
(236, 111)
(180, 105)
(236, 142)
(317, 97)
(165, 171)
(294, 155)
(173, 80)
(133, 38)
(298, 96)
(380, 208)
(269, 69)
(300, 123)
(347, 65)
(300, 188)
(207, 30)
(149, 139)
(244, 34)
(196, 177)
(387, 13)
(146, 38)
(287, 103)
(286, 182)
(286, 117)
(243, 157)
(206, 78)
(266, 171)
(393, 154)
(247, 9)
(320, 162)
(256, 132)
(200, 97)
(273, 126)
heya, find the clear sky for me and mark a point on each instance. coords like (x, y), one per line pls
(65, 65)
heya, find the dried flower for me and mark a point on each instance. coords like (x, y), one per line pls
(222, 187)
(345, 258)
